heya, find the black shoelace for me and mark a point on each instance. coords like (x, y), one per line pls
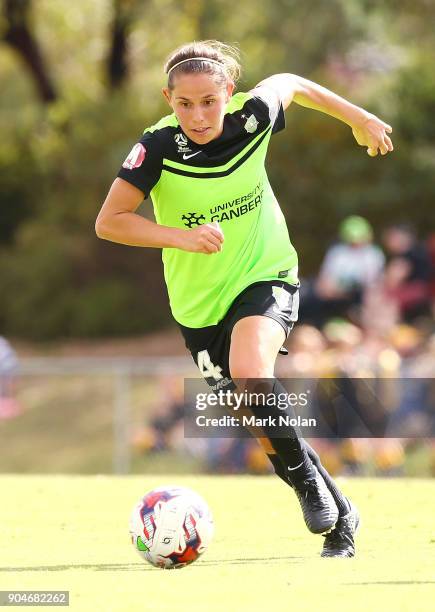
(311, 493)
(337, 537)
(333, 537)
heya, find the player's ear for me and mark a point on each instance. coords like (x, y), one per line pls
(229, 89)
(167, 94)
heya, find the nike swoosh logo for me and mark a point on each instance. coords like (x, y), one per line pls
(192, 155)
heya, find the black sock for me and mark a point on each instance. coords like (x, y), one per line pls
(291, 450)
(279, 464)
(339, 498)
(279, 468)
(287, 452)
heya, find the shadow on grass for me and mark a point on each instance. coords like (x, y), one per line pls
(391, 582)
(140, 567)
(248, 561)
(99, 567)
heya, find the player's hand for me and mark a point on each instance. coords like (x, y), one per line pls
(207, 238)
(373, 134)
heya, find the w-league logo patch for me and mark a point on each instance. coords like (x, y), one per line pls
(182, 143)
(180, 139)
(135, 157)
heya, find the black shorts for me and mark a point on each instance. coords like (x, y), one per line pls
(210, 346)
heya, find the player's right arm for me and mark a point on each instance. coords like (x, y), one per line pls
(368, 130)
(119, 222)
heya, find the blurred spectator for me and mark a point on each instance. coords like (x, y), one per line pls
(354, 395)
(306, 354)
(431, 252)
(236, 456)
(380, 311)
(342, 404)
(414, 413)
(348, 268)
(408, 273)
(366, 377)
(9, 405)
(164, 431)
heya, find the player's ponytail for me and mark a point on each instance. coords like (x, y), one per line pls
(209, 56)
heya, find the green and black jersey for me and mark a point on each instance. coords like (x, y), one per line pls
(226, 181)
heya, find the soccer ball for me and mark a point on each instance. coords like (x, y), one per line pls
(171, 527)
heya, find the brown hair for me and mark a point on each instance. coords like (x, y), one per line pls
(217, 58)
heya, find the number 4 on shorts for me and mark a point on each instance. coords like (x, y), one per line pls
(207, 368)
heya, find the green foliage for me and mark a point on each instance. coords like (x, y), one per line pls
(58, 161)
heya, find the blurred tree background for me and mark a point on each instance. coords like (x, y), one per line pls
(80, 80)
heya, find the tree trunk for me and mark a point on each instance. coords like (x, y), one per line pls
(117, 65)
(19, 36)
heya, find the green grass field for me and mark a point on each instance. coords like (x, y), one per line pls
(71, 533)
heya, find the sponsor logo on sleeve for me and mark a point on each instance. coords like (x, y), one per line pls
(251, 124)
(135, 157)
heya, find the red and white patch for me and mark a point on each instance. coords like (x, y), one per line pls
(135, 157)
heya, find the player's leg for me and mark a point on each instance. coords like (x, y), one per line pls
(215, 341)
(341, 501)
(340, 541)
(253, 332)
(255, 342)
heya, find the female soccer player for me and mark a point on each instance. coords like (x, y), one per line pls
(229, 265)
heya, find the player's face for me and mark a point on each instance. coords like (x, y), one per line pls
(199, 102)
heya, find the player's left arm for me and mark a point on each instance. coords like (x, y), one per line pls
(369, 131)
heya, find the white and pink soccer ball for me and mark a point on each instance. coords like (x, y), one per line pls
(171, 527)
